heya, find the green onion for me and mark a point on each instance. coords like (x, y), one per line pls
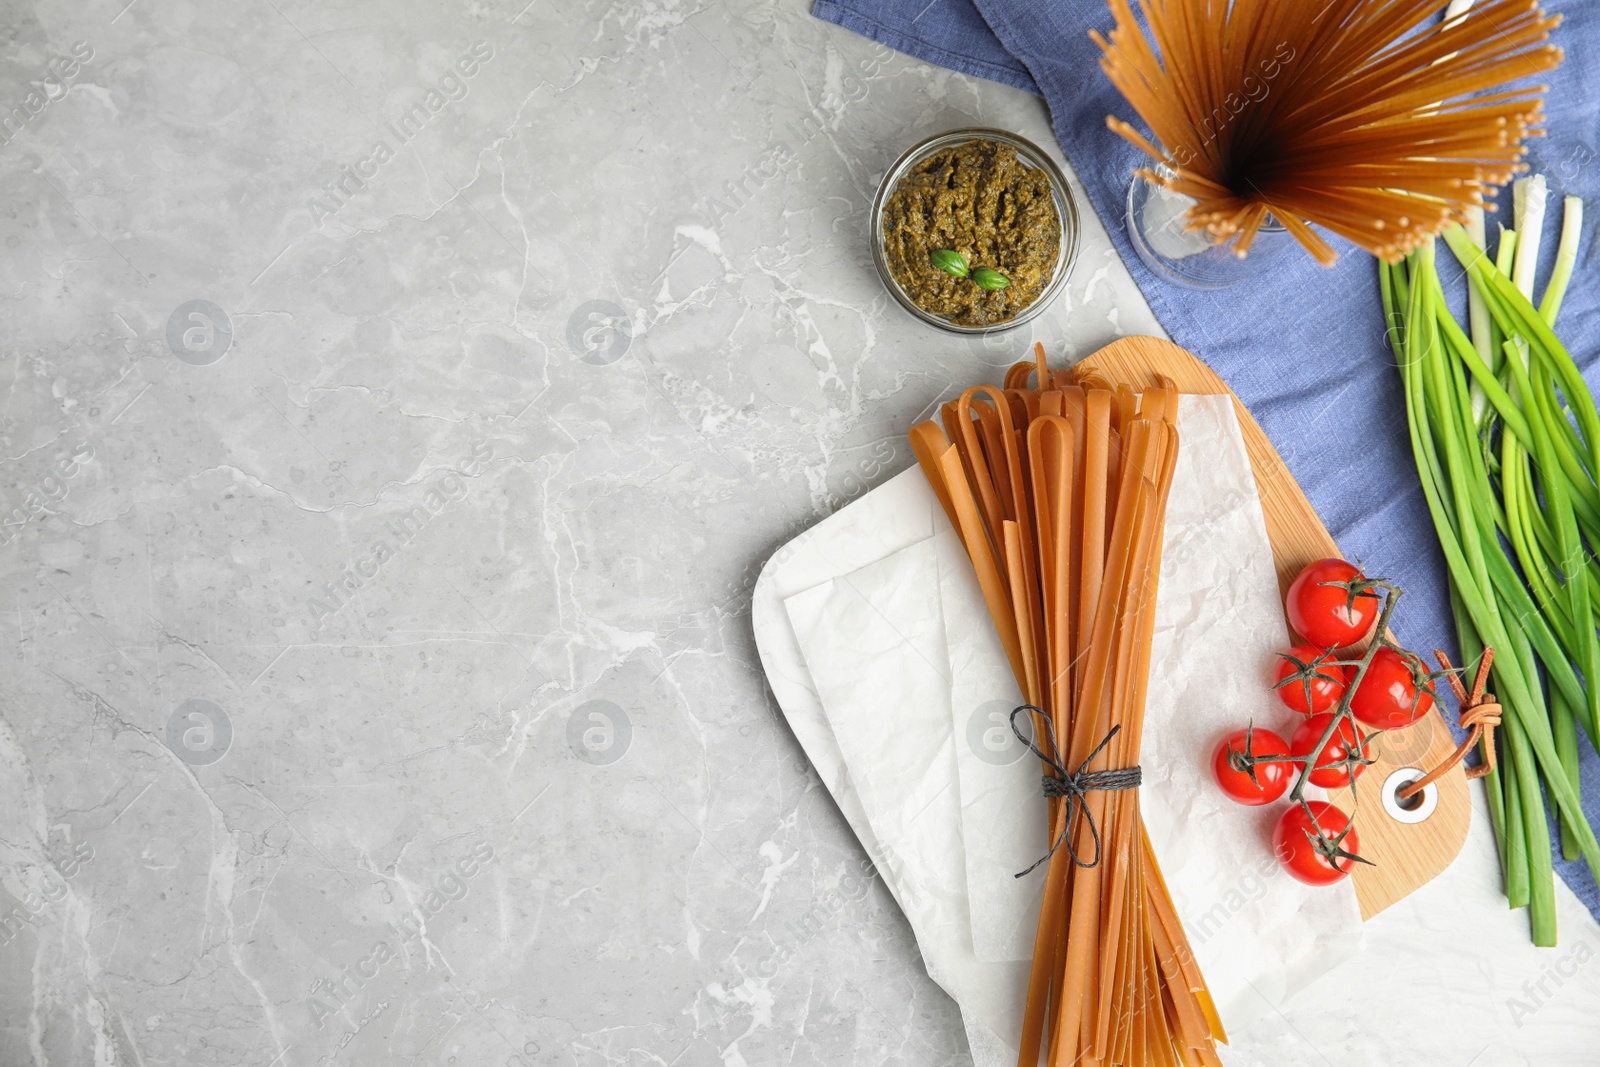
(1478, 317)
(1566, 256)
(1506, 439)
(1528, 199)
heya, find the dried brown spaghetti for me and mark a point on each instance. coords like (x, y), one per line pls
(1058, 492)
(1347, 114)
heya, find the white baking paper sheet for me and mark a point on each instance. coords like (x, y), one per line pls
(880, 651)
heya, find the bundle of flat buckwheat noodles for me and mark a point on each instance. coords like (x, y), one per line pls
(1058, 492)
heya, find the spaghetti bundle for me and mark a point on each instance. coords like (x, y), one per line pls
(1059, 492)
(1341, 113)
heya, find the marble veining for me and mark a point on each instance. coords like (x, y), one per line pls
(397, 402)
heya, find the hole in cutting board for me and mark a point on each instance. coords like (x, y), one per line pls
(1415, 808)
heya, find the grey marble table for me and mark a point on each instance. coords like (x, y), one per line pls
(399, 400)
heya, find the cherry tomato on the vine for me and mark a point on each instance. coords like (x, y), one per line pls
(1271, 779)
(1389, 697)
(1330, 605)
(1293, 841)
(1308, 679)
(1340, 746)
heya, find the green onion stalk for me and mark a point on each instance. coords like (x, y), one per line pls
(1506, 439)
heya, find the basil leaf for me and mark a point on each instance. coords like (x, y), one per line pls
(949, 261)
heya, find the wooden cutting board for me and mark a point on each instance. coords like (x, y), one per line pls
(1405, 856)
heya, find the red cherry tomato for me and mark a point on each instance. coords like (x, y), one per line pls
(1307, 681)
(1388, 697)
(1272, 779)
(1320, 607)
(1299, 854)
(1339, 746)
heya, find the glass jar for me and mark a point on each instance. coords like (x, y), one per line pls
(1030, 155)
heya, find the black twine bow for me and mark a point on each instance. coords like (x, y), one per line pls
(1073, 784)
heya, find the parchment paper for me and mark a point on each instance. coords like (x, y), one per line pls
(1219, 625)
(888, 728)
(886, 694)
(1003, 821)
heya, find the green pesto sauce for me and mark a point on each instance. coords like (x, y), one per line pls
(979, 199)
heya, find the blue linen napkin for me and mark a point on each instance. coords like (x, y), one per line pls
(1304, 347)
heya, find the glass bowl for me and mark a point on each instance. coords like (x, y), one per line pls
(1031, 155)
(1188, 258)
